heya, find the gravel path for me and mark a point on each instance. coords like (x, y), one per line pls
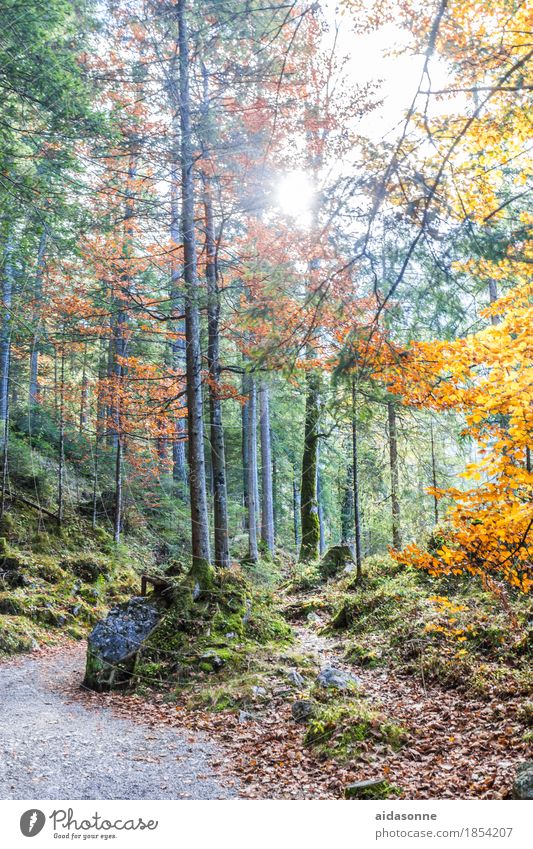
(54, 748)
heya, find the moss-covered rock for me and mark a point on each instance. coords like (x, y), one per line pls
(337, 728)
(335, 560)
(12, 605)
(114, 643)
(17, 635)
(87, 566)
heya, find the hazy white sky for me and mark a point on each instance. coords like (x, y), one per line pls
(368, 60)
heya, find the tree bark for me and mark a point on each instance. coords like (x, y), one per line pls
(177, 345)
(117, 518)
(244, 453)
(218, 452)
(5, 336)
(296, 507)
(347, 508)
(394, 474)
(120, 350)
(84, 394)
(310, 525)
(253, 549)
(267, 499)
(37, 304)
(434, 476)
(355, 473)
(493, 296)
(320, 502)
(197, 488)
(61, 457)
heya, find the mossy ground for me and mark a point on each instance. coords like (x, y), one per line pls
(58, 583)
(449, 630)
(214, 640)
(341, 724)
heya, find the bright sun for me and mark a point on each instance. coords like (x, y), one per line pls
(294, 196)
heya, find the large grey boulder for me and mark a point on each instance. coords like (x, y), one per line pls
(303, 710)
(523, 783)
(296, 679)
(330, 676)
(114, 642)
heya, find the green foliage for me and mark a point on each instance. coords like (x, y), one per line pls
(305, 576)
(335, 560)
(28, 472)
(18, 635)
(337, 729)
(440, 629)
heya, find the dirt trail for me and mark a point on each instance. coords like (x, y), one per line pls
(458, 747)
(53, 747)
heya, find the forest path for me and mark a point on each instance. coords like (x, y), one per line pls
(457, 746)
(53, 747)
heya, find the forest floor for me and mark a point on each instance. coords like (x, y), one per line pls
(64, 741)
(52, 746)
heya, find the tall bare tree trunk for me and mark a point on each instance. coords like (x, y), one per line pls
(197, 487)
(267, 499)
(244, 452)
(177, 345)
(84, 394)
(296, 510)
(320, 502)
(310, 525)
(394, 474)
(37, 306)
(120, 344)
(347, 507)
(61, 453)
(434, 476)
(355, 473)
(218, 451)
(5, 335)
(253, 549)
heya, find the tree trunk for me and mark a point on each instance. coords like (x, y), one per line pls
(493, 296)
(434, 476)
(347, 508)
(61, 459)
(267, 501)
(394, 475)
(310, 525)
(117, 518)
(355, 473)
(177, 346)
(5, 336)
(197, 487)
(244, 453)
(37, 304)
(95, 479)
(84, 395)
(296, 508)
(253, 551)
(218, 453)
(320, 502)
